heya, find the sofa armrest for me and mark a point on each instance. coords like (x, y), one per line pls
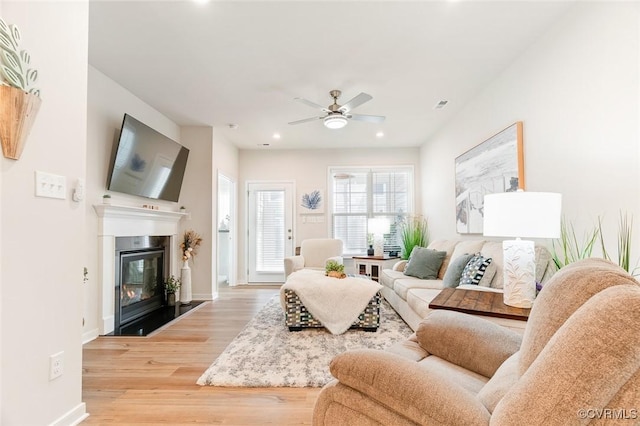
(399, 266)
(468, 341)
(423, 395)
(292, 264)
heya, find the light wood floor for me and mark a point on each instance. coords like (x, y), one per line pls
(151, 380)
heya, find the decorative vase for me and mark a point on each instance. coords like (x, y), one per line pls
(185, 287)
(18, 113)
(370, 250)
(171, 299)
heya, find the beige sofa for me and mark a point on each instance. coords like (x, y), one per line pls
(577, 363)
(410, 296)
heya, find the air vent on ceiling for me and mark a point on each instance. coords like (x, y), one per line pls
(441, 104)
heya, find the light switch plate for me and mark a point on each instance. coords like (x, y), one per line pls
(51, 186)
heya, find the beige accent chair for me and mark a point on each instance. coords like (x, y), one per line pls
(314, 254)
(580, 355)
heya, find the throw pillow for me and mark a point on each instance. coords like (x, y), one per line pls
(424, 263)
(454, 270)
(474, 270)
(489, 273)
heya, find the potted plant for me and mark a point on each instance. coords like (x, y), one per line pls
(17, 92)
(334, 269)
(171, 286)
(414, 232)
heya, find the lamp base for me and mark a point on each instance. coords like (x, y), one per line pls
(519, 273)
(378, 245)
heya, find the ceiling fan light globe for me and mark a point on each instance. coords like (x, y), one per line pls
(335, 122)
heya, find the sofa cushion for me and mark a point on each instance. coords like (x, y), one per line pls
(403, 285)
(424, 263)
(493, 249)
(505, 377)
(488, 276)
(474, 270)
(388, 276)
(454, 270)
(418, 299)
(444, 245)
(467, 247)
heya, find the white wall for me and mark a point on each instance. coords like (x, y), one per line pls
(107, 104)
(43, 239)
(196, 196)
(308, 169)
(576, 90)
(226, 157)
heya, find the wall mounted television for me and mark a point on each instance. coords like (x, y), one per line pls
(146, 163)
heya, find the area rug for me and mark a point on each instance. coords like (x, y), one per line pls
(267, 354)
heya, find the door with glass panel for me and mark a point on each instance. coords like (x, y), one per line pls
(270, 230)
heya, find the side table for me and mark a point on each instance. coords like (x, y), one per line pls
(484, 303)
(371, 266)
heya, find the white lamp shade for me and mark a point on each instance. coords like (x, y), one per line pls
(522, 214)
(379, 225)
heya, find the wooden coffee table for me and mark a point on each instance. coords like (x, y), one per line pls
(476, 302)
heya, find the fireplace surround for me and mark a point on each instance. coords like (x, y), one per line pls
(125, 221)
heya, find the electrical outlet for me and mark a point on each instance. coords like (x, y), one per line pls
(56, 365)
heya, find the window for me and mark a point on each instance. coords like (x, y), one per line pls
(362, 193)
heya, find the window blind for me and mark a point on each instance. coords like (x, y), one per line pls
(359, 194)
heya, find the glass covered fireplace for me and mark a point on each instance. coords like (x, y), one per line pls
(142, 263)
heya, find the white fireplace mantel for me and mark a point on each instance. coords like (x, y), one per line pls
(126, 221)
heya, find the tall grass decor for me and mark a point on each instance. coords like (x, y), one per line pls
(414, 232)
(625, 230)
(568, 249)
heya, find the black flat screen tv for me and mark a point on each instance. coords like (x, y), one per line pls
(146, 163)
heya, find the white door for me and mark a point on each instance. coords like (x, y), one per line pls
(270, 230)
(226, 231)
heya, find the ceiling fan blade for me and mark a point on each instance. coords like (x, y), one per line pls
(305, 120)
(357, 101)
(311, 104)
(369, 118)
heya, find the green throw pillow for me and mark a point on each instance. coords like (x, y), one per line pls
(424, 263)
(454, 271)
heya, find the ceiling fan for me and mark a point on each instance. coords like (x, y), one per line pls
(338, 115)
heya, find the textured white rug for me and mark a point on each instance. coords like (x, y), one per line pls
(267, 354)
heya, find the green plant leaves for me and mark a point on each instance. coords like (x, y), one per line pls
(15, 71)
(414, 232)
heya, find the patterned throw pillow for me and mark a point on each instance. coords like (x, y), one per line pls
(474, 271)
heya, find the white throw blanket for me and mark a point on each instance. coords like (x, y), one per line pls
(335, 302)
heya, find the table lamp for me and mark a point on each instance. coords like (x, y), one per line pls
(521, 214)
(378, 226)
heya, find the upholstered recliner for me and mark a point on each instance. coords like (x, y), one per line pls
(578, 362)
(314, 254)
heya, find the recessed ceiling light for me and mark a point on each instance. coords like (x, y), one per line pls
(276, 135)
(380, 135)
(201, 1)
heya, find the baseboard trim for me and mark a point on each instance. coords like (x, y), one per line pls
(202, 296)
(72, 417)
(90, 335)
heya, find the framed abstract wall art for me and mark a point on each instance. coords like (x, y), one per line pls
(496, 165)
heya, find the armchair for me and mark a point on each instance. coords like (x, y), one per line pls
(314, 254)
(579, 356)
